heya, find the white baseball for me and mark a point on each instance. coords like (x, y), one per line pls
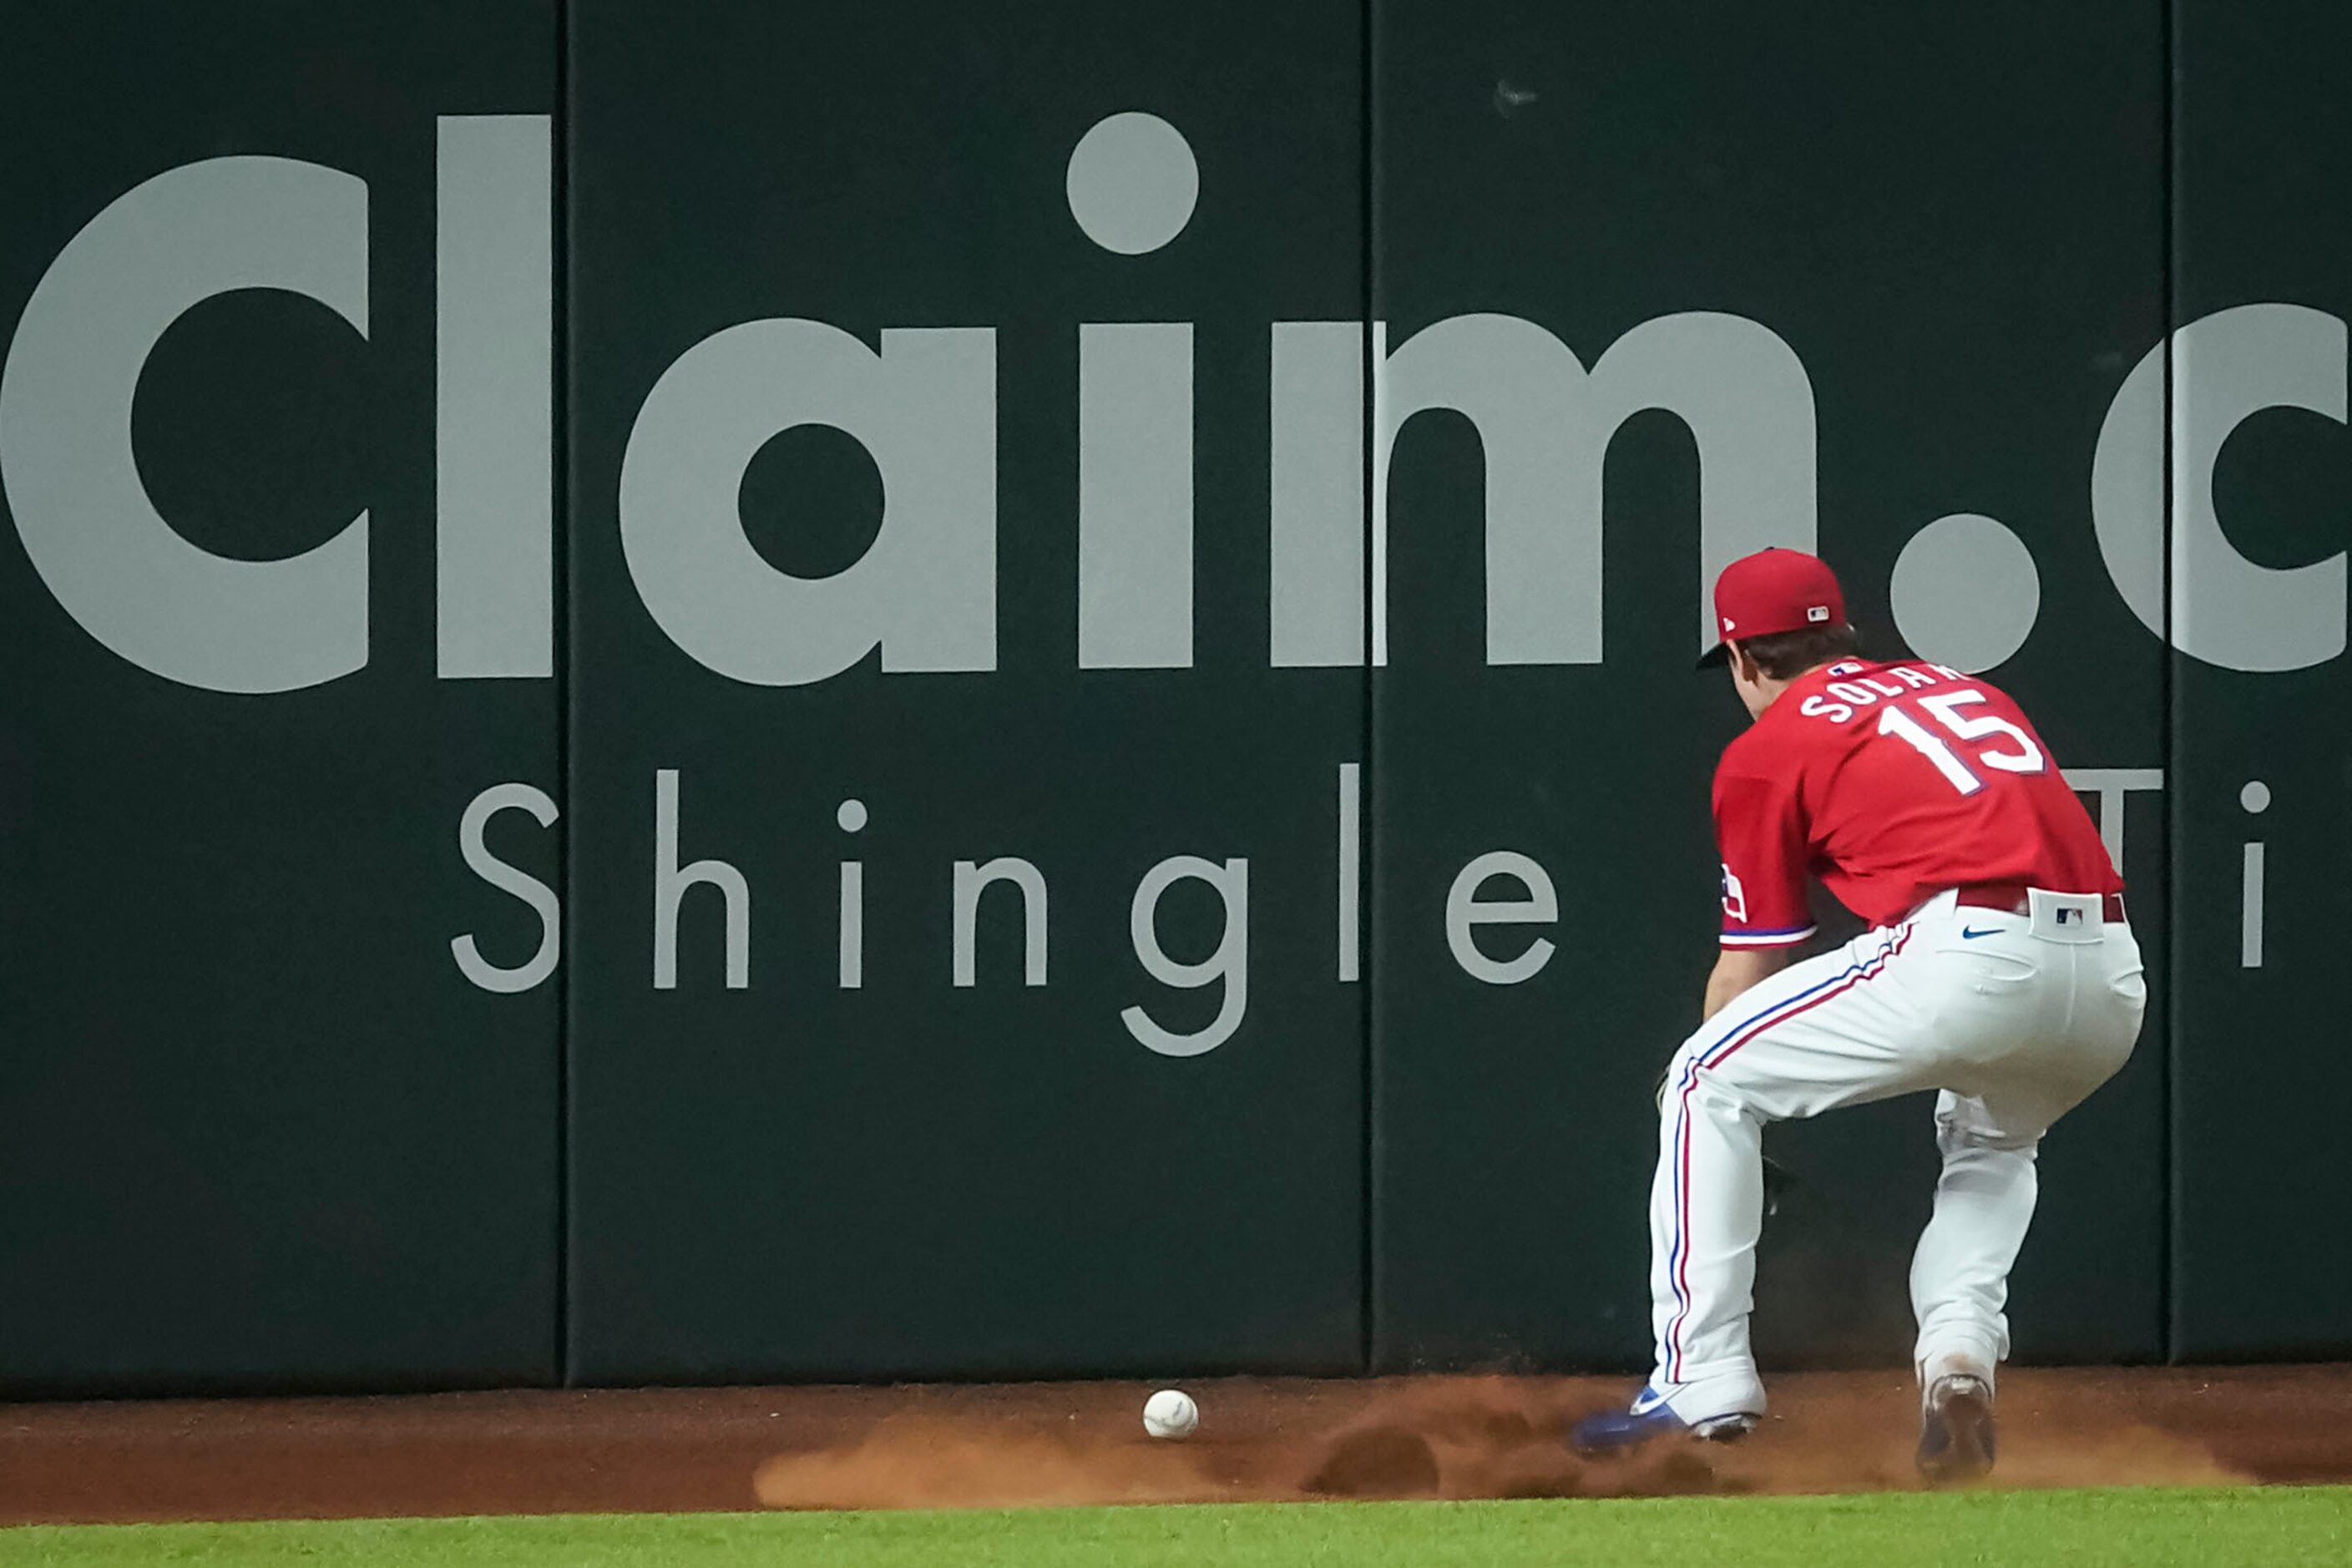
(1170, 1413)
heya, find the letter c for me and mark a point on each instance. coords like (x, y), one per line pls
(2226, 610)
(73, 484)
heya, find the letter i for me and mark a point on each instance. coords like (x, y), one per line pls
(852, 817)
(2256, 799)
(1132, 186)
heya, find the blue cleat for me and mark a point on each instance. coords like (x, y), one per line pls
(1955, 1432)
(1623, 1431)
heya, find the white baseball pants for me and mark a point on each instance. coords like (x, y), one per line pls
(2012, 1019)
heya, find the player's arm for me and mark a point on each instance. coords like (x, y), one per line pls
(1759, 828)
(1737, 969)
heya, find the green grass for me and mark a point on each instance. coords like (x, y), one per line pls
(2207, 1527)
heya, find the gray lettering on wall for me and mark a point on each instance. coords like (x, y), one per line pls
(493, 432)
(1135, 495)
(925, 591)
(1545, 425)
(2225, 609)
(113, 562)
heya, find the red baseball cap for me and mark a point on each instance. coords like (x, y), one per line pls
(1773, 591)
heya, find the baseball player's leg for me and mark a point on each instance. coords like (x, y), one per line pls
(1984, 1203)
(1986, 1193)
(1831, 1031)
(1706, 1210)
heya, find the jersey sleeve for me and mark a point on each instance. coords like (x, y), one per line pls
(1760, 833)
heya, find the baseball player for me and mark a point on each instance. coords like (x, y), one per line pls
(1998, 973)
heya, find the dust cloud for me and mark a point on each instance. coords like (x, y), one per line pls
(1434, 1437)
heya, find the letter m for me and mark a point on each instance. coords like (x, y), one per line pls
(1544, 423)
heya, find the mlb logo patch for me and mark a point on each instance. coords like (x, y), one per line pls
(2066, 915)
(1817, 612)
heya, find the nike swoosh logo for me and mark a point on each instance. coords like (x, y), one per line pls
(1971, 935)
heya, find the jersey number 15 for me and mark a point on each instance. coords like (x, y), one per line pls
(1945, 709)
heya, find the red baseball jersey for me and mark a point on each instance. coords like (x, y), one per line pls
(1891, 782)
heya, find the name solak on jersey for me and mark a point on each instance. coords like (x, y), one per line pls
(923, 403)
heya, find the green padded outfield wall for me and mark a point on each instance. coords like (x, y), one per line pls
(2261, 283)
(1081, 617)
(258, 1129)
(896, 485)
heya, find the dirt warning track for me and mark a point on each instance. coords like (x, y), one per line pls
(1023, 1444)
